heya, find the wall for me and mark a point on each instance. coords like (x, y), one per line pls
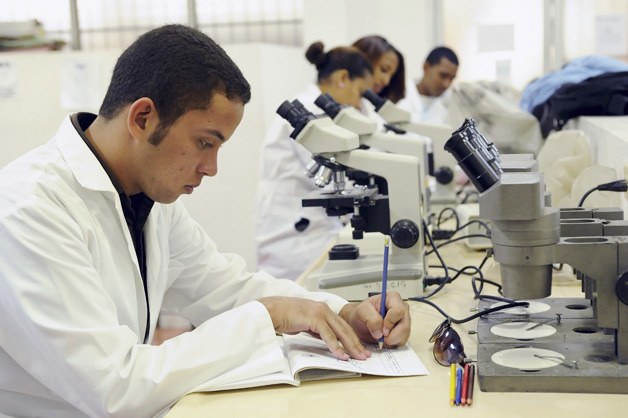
(580, 21)
(608, 136)
(493, 59)
(32, 115)
(407, 24)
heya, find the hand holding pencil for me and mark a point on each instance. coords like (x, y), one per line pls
(383, 318)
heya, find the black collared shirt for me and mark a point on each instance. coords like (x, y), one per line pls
(136, 208)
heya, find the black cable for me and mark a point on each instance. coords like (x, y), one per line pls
(475, 315)
(454, 240)
(453, 213)
(478, 291)
(440, 258)
(467, 195)
(471, 222)
(613, 186)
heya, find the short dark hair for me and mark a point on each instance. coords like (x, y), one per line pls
(439, 52)
(374, 46)
(179, 69)
(340, 58)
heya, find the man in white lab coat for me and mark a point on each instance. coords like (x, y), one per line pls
(427, 98)
(93, 244)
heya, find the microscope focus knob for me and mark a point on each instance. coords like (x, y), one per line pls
(404, 233)
(621, 288)
(444, 175)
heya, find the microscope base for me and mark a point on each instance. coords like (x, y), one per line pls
(356, 280)
(577, 338)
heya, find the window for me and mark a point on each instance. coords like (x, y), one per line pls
(104, 24)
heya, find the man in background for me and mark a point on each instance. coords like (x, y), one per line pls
(427, 98)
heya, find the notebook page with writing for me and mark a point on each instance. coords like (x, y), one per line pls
(310, 359)
(306, 358)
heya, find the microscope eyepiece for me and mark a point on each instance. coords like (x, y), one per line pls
(296, 114)
(328, 104)
(288, 111)
(374, 98)
(476, 156)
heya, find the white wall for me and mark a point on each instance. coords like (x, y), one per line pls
(580, 26)
(464, 19)
(407, 24)
(33, 112)
(608, 137)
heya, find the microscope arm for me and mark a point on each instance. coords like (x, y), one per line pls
(439, 134)
(397, 144)
(403, 175)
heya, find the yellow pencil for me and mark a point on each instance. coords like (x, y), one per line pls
(452, 384)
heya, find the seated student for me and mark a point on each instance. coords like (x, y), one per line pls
(389, 74)
(427, 99)
(289, 237)
(94, 243)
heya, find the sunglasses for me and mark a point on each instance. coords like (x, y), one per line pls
(448, 348)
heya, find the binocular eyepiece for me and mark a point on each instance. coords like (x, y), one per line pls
(328, 104)
(296, 114)
(375, 99)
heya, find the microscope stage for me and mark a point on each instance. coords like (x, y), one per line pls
(578, 357)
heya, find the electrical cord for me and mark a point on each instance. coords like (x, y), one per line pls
(475, 315)
(443, 234)
(613, 186)
(454, 215)
(435, 247)
(474, 221)
(443, 265)
(442, 281)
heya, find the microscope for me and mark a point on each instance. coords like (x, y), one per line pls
(411, 144)
(441, 164)
(584, 344)
(352, 271)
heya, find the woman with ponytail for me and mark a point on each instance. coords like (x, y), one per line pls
(288, 236)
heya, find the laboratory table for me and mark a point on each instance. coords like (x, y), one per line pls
(419, 396)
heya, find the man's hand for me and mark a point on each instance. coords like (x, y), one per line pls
(294, 315)
(365, 319)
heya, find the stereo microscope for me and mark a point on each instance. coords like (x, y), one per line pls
(587, 350)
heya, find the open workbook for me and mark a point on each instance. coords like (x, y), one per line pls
(308, 358)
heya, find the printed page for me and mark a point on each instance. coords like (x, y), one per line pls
(306, 352)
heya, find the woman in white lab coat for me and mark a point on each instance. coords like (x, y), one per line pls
(289, 237)
(81, 284)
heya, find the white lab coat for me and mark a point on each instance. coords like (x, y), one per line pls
(72, 306)
(424, 108)
(281, 249)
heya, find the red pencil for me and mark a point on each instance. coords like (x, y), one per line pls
(470, 388)
(465, 384)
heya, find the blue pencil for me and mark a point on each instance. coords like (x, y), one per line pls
(458, 385)
(382, 305)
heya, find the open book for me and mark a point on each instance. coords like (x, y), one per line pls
(308, 358)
